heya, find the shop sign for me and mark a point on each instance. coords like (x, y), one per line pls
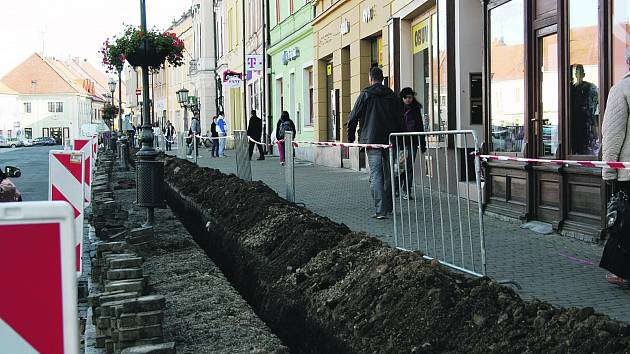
(289, 55)
(345, 26)
(368, 14)
(329, 69)
(420, 35)
(254, 62)
(232, 79)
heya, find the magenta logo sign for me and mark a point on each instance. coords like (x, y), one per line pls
(254, 62)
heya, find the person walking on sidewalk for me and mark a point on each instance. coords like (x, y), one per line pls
(193, 131)
(222, 129)
(377, 112)
(616, 147)
(254, 131)
(285, 124)
(412, 123)
(169, 132)
(215, 137)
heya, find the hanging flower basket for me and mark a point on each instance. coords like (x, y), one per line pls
(146, 54)
(139, 48)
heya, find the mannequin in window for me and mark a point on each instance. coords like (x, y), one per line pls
(584, 114)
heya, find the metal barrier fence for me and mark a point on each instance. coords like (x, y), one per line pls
(431, 213)
(243, 164)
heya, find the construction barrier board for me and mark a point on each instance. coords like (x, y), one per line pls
(86, 145)
(38, 310)
(66, 176)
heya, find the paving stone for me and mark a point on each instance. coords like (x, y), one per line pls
(142, 304)
(164, 348)
(140, 319)
(140, 235)
(130, 262)
(133, 334)
(126, 273)
(126, 285)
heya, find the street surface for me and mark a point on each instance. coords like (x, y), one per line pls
(560, 270)
(33, 161)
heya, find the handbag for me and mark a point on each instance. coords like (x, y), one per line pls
(616, 255)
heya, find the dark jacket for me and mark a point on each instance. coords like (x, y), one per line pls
(254, 128)
(291, 127)
(412, 121)
(213, 130)
(377, 112)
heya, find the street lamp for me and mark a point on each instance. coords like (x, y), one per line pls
(112, 88)
(149, 171)
(182, 98)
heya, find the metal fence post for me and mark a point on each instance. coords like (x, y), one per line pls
(243, 164)
(289, 171)
(195, 151)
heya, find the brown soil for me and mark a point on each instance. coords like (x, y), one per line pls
(323, 288)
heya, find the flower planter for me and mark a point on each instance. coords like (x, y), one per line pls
(146, 55)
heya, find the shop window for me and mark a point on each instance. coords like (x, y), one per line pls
(376, 51)
(584, 81)
(28, 133)
(309, 120)
(507, 77)
(620, 38)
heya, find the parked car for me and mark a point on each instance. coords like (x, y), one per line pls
(10, 142)
(27, 142)
(44, 140)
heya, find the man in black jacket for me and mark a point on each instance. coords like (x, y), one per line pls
(254, 131)
(377, 111)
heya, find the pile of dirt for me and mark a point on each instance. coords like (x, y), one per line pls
(323, 288)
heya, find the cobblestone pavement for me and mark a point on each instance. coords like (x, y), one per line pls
(560, 270)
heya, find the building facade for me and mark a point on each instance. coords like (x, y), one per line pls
(53, 99)
(548, 67)
(291, 74)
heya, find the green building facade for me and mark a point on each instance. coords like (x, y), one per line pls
(291, 73)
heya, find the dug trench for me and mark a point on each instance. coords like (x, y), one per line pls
(325, 289)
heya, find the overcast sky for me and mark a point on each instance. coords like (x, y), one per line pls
(73, 28)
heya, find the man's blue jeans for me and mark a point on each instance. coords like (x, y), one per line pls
(380, 180)
(222, 144)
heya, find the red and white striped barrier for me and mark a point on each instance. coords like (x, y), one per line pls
(326, 143)
(607, 164)
(66, 175)
(38, 308)
(87, 146)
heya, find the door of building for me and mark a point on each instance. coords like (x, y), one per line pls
(56, 133)
(330, 103)
(545, 125)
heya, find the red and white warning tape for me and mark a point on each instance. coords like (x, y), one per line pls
(326, 143)
(608, 164)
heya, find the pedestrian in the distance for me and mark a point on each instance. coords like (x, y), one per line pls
(377, 112)
(284, 125)
(616, 147)
(412, 123)
(169, 132)
(193, 132)
(222, 128)
(254, 131)
(215, 137)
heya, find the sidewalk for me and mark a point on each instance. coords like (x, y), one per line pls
(559, 270)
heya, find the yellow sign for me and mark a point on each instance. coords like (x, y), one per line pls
(329, 69)
(420, 36)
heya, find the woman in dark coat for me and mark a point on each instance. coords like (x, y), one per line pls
(412, 122)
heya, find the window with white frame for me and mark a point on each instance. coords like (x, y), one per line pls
(27, 107)
(55, 107)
